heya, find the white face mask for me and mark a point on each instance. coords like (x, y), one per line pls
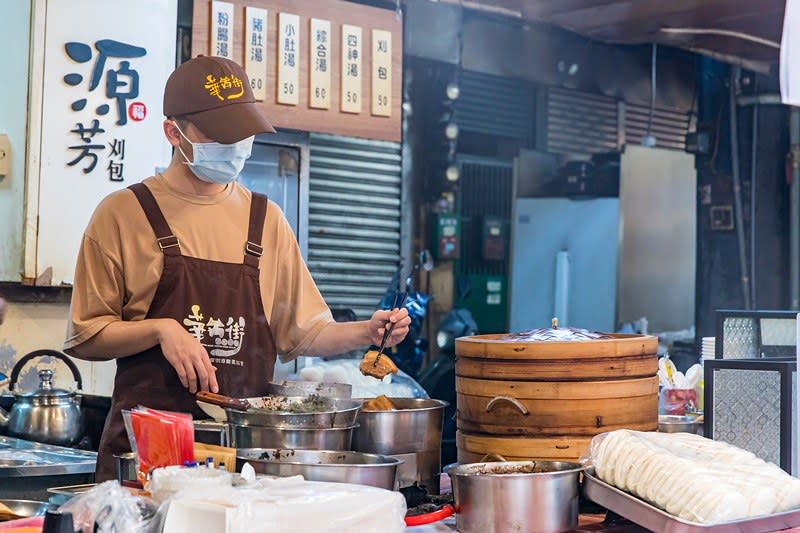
(215, 162)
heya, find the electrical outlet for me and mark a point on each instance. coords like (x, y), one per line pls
(721, 218)
(5, 155)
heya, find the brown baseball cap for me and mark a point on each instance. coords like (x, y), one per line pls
(214, 94)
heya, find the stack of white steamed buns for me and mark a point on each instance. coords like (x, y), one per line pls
(694, 478)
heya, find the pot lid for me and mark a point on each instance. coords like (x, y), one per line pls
(46, 392)
(555, 333)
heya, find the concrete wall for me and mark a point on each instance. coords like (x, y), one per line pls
(15, 29)
(28, 326)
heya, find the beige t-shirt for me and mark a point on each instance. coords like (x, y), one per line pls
(120, 263)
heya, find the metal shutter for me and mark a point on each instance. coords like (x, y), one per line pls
(586, 123)
(354, 219)
(581, 123)
(670, 126)
(495, 106)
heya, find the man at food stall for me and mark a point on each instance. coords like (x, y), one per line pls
(190, 281)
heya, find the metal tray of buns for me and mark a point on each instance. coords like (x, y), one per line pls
(646, 515)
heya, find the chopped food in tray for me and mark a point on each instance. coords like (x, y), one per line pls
(283, 404)
(694, 478)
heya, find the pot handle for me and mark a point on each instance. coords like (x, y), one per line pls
(76, 374)
(516, 403)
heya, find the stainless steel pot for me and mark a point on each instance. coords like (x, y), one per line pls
(291, 438)
(308, 388)
(525, 496)
(48, 415)
(126, 467)
(323, 465)
(338, 413)
(416, 426)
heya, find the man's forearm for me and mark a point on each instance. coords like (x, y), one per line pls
(340, 337)
(120, 339)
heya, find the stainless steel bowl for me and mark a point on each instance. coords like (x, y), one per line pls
(531, 496)
(291, 438)
(307, 388)
(416, 426)
(25, 508)
(323, 465)
(338, 413)
(677, 424)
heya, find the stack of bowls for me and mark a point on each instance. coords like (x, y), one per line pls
(329, 428)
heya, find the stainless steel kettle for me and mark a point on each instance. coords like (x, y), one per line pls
(47, 415)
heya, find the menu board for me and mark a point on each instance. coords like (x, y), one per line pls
(329, 67)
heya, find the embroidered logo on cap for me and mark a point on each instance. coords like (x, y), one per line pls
(224, 87)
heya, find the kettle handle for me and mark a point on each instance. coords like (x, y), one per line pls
(44, 353)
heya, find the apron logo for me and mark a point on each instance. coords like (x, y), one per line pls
(222, 339)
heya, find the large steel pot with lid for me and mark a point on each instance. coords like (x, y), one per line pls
(530, 496)
(48, 415)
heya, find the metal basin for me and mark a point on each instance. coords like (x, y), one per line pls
(677, 424)
(338, 413)
(291, 438)
(308, 388)
(530, 496)
(323, 465)
(416, 426)
(25, 508)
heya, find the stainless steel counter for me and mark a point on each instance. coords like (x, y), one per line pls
(28, 469)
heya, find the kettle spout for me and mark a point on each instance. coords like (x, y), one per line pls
(3, 418)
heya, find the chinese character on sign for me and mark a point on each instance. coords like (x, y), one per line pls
(87, 149)
(321, 63)
(383, 46)
(352, 70)
(116, 156)
(122, 83)
(258, 25)
(222, 18)
(383, 73)
(121, 86)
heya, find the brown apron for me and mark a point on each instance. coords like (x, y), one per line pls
(220, 304)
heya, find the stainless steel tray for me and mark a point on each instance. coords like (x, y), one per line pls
(61, 495)
(654, 519)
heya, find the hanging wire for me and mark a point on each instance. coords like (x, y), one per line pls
(652, 89)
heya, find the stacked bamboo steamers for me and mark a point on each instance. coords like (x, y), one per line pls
(544, 394)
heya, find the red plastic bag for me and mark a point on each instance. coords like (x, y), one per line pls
(159, 438)
(677, 401)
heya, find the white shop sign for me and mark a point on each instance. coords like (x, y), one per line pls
(96, 117)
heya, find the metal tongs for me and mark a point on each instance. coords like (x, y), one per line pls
(397, 303)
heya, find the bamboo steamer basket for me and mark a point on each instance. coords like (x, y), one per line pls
(621, 356)
(542, 400)
(556, 408)
(480, 448)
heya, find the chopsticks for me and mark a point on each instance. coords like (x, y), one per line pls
(398, 302)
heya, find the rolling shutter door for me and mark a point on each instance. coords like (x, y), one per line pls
(354, 219)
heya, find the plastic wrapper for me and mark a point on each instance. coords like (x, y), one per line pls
(692, 477)
(287, 505)
(114, 509)
(399, 385)
(677, 401)
(165, 482)
(159, 438)
(556, 334)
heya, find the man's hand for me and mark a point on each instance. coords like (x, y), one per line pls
(380, 321)
(187, 356)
